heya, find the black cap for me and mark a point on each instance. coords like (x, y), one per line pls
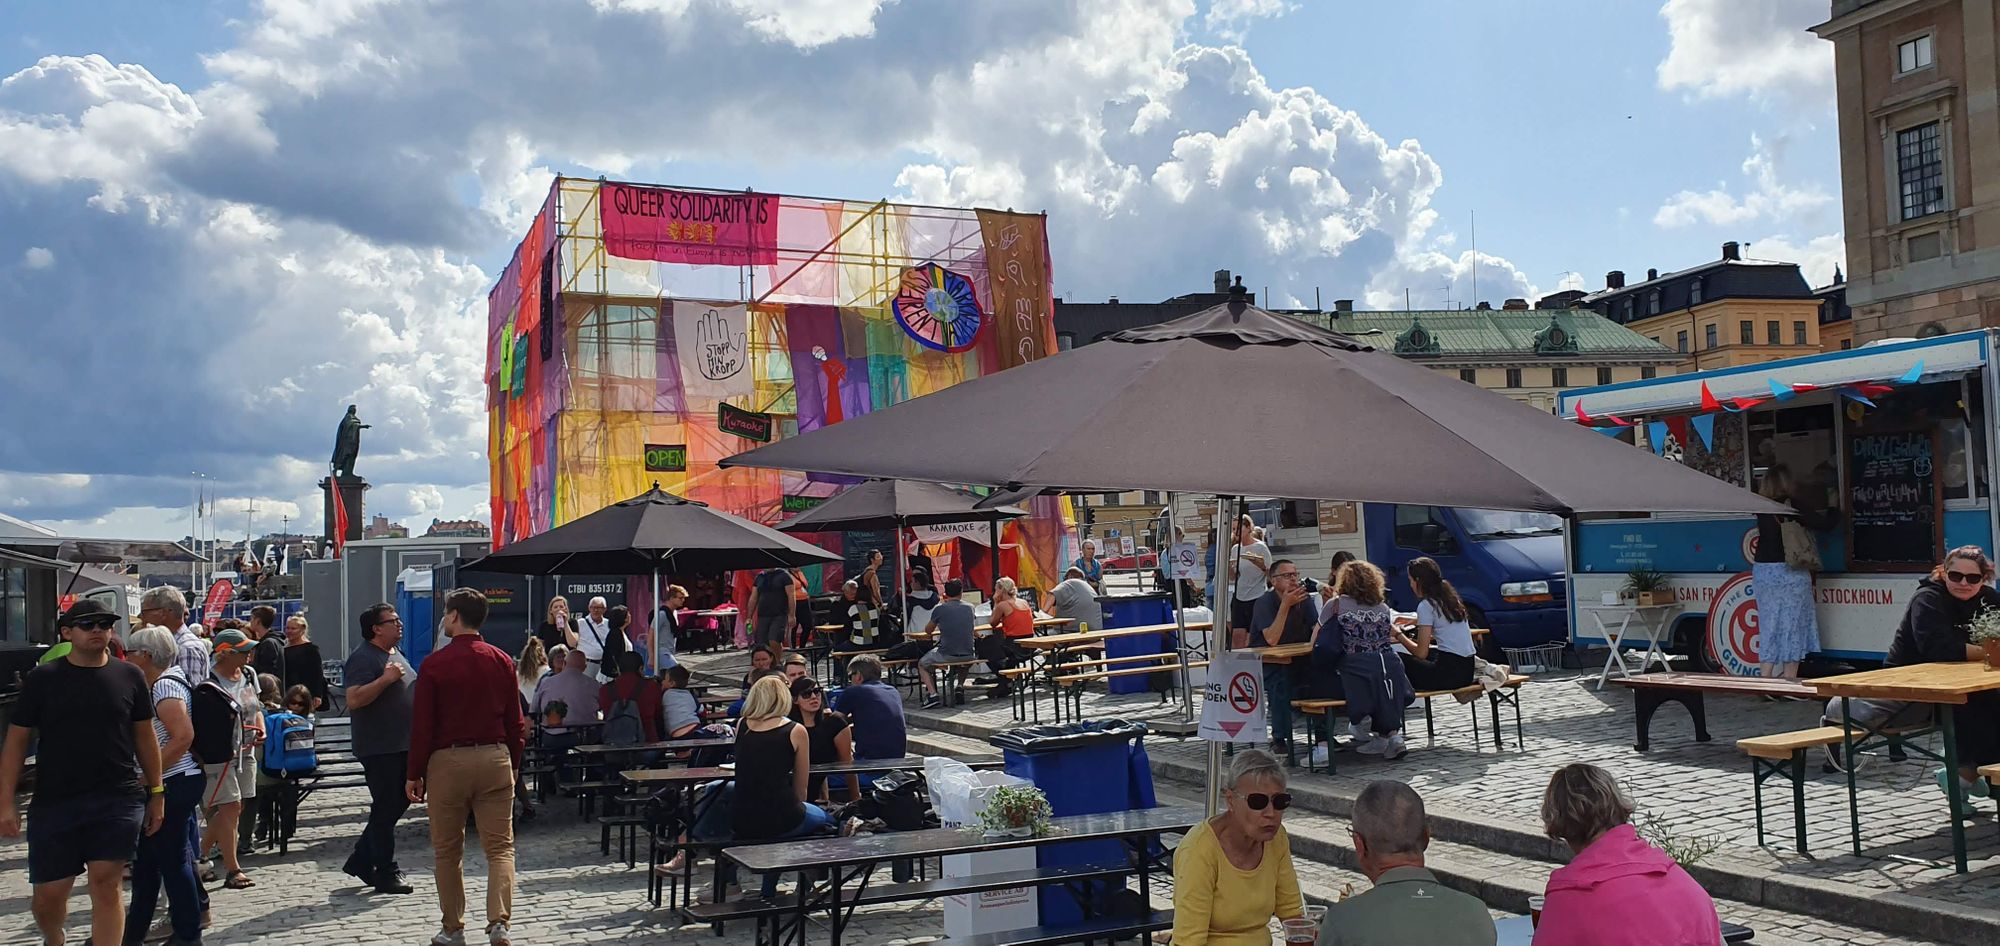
(85, 608)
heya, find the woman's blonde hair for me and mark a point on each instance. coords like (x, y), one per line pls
(1003, 586)
(533, 659)
(550, 612)
(305, 626)
(673, 590)
(1582, 802)
(1777, 485)
(770, 698)
(1360, 581)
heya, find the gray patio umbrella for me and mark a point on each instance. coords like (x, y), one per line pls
(654, 532)
(899, 504)
(1237, 401)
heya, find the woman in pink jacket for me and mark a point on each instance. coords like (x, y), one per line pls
(1618, 890)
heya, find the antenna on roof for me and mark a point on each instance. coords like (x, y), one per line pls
(1475, 259)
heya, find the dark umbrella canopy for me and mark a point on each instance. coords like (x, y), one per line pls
(657, 531)
(1235, 400)
(887, 504)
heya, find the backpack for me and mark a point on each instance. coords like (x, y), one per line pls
(217, 719)
(622, 726)
(288, 744)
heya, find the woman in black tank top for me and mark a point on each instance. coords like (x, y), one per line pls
(773, 765)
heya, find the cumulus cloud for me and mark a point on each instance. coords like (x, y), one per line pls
(1818, 257)
(305, 231)
(1755, 49)
(1769, 199)
(38, 257)
(1231, 19)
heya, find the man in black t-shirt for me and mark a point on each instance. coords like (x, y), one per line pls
(97, 774)
(771, 608)
(269, 657)
(1283, 615)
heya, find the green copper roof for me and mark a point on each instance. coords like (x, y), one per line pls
(1460, 332)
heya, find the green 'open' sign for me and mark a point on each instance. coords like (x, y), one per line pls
(666, 458)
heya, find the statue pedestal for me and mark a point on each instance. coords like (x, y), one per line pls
(351, 488)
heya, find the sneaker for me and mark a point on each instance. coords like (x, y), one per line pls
(1370, 744)
(1394, 747)
(933, 702)
(160, 933)
(1319, 755)
(497, 935)
(449, 938)
(391, 881)
(1968, 790)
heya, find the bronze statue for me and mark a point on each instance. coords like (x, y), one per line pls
(347, 443)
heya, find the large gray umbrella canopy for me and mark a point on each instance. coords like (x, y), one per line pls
(1237, 401)
(889, 504)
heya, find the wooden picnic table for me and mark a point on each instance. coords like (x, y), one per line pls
(852, 859)
(663, 745)
(650, 777)
(1077, 639)
(982, 630)
(1942, 686)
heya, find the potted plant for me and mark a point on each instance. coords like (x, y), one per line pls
(1984, 630)
(1649, 587)
(1015, 812)
(553, 713)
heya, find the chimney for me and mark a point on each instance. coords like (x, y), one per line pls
(1222, 280)
(1514, 304)
(1114, 300)
(1652, 274)
(1731, 250)
(1485, 306)
(1614, 279)
(1343, 305)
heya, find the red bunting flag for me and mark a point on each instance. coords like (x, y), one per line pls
(1583, 418)
(1678, 426)
(1746, 403)
(1708, 402)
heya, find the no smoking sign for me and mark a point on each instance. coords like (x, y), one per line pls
(1233, 700)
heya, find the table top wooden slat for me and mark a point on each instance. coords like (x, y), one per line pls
(656, 746)
(856, 767)
(1719, 683)
(895, 845)
(1916, 683)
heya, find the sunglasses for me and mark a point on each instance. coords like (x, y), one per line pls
(96, 624)
(1257, 801)
(809, 694)
(1965, 578)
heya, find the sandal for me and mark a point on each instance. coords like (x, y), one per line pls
(239, 880)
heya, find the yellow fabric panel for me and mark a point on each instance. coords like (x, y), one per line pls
(871, 256)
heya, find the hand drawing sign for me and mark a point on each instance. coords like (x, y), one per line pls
(713, 344)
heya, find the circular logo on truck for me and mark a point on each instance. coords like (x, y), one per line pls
(1750, 546)
(1732, 627)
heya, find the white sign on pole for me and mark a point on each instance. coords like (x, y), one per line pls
(1127, 546)
(1184, 563)
(1232, 706)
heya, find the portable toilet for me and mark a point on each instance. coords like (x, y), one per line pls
(413, 603)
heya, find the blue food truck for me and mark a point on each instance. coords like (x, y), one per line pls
(1889, 448)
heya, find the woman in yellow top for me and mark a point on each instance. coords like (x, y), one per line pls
(1233, 872)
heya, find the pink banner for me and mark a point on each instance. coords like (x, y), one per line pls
(674, 226)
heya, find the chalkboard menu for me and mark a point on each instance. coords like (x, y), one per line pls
(1892, 499)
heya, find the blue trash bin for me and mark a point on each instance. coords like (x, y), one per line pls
(1135, 611)
(1084, 768)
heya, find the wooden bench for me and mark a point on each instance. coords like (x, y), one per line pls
(759, 908)
(1508, 693)
(1784, 755)
(1107, 929)
(1651, 690)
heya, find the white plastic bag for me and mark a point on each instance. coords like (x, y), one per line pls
(959, 793)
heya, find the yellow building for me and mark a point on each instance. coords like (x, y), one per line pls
(1730, 311)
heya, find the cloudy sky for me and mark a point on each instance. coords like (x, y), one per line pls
(223, 221)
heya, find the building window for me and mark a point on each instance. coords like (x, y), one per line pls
(1559, 377)
(1155, 497)
(1846, 343)
(1913, 55)
(1683, 338)
(1925, 246)
(1469, 375)
(1513, 377)
(1710, 331)
(1653, 302)
(1628, 310)
(1771, 335)
(1646, 373)
(1746, 333)
(1604, 376)
(1920, 170)
(1065, 341)
(1798, 333)
(1694, 291)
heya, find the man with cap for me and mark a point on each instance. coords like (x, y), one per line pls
(232, 782)
(97, 774)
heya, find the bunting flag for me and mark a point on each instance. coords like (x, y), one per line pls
(1583, 418)
(1914, 375)
(1745, 403)
(1872, 388)
(1619, 421)
(1656, 435)
(1708, 402)
(1705, 426)
(1782, 392)
(1609, 431)
(1678, 426)
(1854, 394)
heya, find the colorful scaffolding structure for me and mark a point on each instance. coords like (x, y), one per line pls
(641, 333)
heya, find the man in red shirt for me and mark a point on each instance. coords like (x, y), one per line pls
(466, 736)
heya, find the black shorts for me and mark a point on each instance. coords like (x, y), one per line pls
(64, 834)
(1242, 612)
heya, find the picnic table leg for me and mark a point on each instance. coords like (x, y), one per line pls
(1799, 797)
(1847, 745)
(1493, 700)
(1953, 790)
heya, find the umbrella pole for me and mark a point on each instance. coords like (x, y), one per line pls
(993, 529)
(902, 576)
(1223, 595)
(1180, 606)
(655, 616)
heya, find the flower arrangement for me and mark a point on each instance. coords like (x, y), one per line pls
(1015, 811)
(1984, 630)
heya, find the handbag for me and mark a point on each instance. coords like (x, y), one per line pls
(1801, 551)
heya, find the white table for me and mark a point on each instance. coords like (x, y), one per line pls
(1618, 623)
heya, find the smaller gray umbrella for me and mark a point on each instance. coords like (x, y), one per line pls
(654, 532)
(899, 504)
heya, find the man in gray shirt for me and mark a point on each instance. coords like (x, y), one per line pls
(953, 627)
(1407, 904)
(1076, 600)
(378, 683)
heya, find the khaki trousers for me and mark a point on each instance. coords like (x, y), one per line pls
(479, 780)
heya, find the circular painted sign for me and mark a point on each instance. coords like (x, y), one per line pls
(1732, 627)
(1243, 693)
(1750, 546)
(938, 308)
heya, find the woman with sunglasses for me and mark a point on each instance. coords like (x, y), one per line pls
(1233, 872)
(1933, 630)
(829, 737)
